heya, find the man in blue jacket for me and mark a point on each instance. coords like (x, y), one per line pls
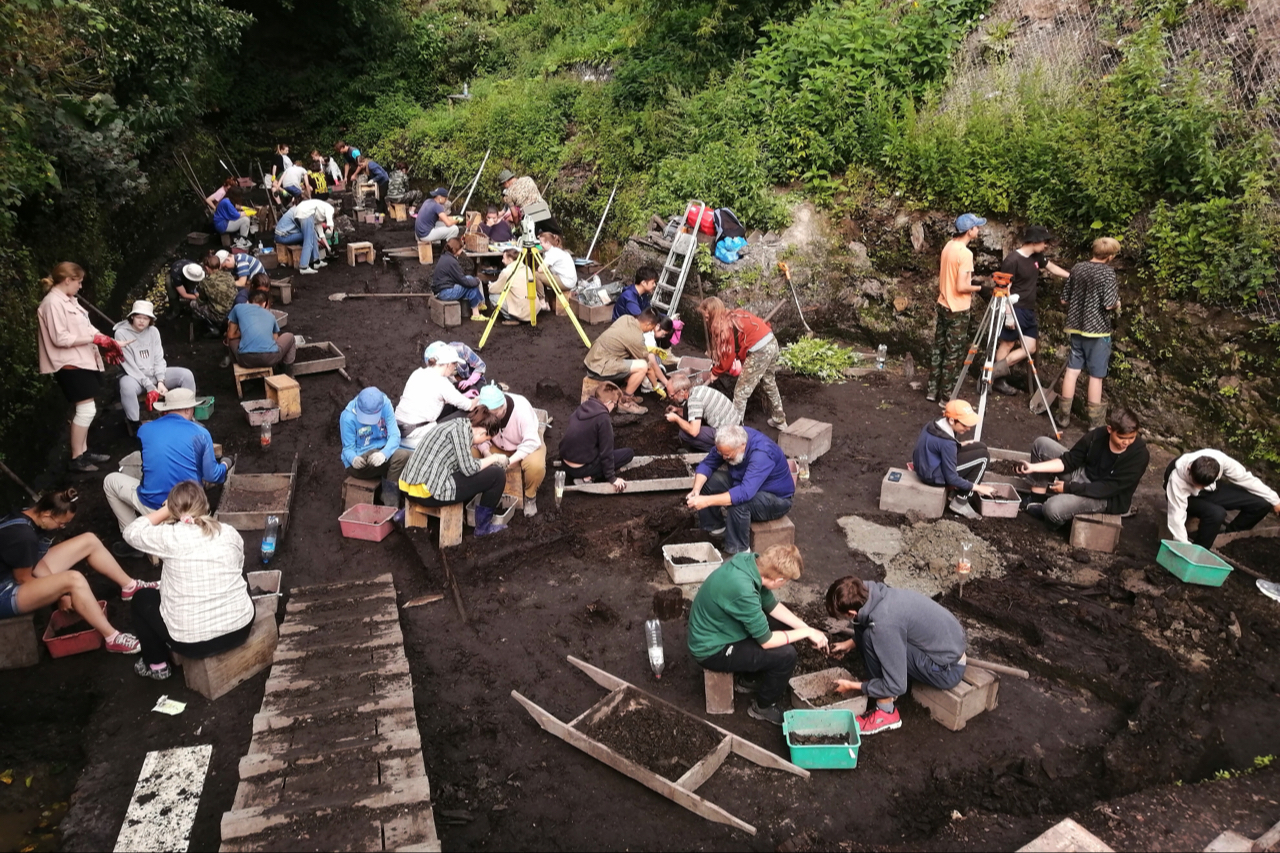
(745, 478)
(174, 448)
(635, 298)
(371, 442)
(942, 459)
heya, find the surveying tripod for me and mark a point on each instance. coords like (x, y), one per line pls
(999, 313)
(530, 261)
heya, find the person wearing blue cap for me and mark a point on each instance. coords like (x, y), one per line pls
(518, 436)
(433, 221)
(955, 295)
(371, 442)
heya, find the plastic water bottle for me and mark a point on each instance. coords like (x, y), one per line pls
(802, 465)
(269, 535)
(882, 352)
(964, 564)
(265, 435)
(560, 477)
(653, 636)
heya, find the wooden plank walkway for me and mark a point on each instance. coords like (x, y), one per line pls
(336, 759)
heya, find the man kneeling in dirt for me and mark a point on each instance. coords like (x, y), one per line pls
(1104, 469)
(942, 459)
(1207, 484)
(902, 634)
(736, 625)
(744, 478)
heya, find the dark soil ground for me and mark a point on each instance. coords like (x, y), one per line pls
(665, 741)
(1139, 682)
(658, 469)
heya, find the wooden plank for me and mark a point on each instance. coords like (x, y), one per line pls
(604, 705)
(165, 800)
(1267, 840)
(626, 767)
(335, 361)
(702, 771)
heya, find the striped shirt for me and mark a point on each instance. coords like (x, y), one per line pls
(711, 407)
(203, 593)
(1089, 292)
(445, 450)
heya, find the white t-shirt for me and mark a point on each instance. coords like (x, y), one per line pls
(321, 211)
(293, 176)
(561, 265)
(424, 397)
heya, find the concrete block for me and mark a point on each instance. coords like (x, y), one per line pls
(214, 676)
(901, 490)
(18, 644)
(805, 437)
(286, 393)
(360, 253)
(978, 691)
(719, 690)
(1098, 531)
(416, 515)
(1065, 836)
(357, 491)
(766, 534)
(444, 313)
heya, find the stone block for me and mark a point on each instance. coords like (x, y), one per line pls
(766, 534)
(1065, 835)
(444, 313)
(416, 515)
(719, 690)
(286, 393)
(360, 253)
(805, 437)
(214, 676)
(357, 491)
(1096, 531)
(977, 691)
(901, 490)
(18, 644)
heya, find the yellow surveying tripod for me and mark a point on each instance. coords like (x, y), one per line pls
(530, 260)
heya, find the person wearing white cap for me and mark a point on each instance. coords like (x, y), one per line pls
(183, 283)
(174, 448)
(371, 442)
(430, 395)
(145, 370)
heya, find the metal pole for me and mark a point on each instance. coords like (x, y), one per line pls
(475, 183)
(600, 227)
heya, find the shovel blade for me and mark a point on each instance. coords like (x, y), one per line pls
(337, 297)
(1042, 401)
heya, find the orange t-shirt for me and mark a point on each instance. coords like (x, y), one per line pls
(956, 261)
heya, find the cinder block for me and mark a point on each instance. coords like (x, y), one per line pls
(360, 253)
(214, 676)
(766, 534)
(977, 691)
(444, 313)
(416, 515)
(805, 437)
(719, 689)
(1098, 531)
(901, 490)
(286, 393)
(18, 644)
(357, 491)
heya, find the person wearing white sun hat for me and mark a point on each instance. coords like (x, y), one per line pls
(145, 369)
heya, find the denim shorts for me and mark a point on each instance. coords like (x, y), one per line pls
(1027, 320)
(9, 598)
(1091, 353)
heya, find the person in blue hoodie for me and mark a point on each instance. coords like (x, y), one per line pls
(371, 442)
(942, 459)
(636, 297)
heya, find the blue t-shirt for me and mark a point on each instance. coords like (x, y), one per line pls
(257, 327)
(428, 214)
(247, 266)
(175, 449)
(225, 212)
(377, 172)
(630, 302)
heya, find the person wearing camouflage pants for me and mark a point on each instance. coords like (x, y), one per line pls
(950, 342)
(761, 366)
(955, 295)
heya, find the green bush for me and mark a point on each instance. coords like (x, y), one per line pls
(1221, 250)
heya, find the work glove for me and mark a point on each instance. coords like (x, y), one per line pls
(229, 461)
(377, 458)
(471, 381)
(152, 396)
(359, 462)
(736, 369)
(111, 352)
(471, 393)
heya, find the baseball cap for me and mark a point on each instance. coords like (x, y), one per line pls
(439, 191)
(960, 410)
(967, 221)
(222, 255)
(369, 406)
(1036, 234)
(442, 353)
(491, 397)
(193, 272)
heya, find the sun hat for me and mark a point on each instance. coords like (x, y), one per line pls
(369, 406)
(491, 397)
(144, 308)
(505, 175)
(960, 410)
(193, 272)
(967, 221)
(442, 353)
(176, 400)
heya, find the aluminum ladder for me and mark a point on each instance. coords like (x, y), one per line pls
(666, 296)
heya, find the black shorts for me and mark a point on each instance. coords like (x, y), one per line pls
(1027, 320)
(78, 384)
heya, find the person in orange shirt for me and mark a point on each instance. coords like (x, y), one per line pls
(956, 289)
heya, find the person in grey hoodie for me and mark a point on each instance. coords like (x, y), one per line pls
(902, 634)
(145, 371)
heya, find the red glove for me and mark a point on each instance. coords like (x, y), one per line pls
(736, 369)
(111, 352)
(152, 396)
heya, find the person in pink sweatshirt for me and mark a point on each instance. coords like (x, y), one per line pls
(519, 437)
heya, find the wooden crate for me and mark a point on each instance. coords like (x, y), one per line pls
(444, 313)
(285, 392)
(289, 256)
(1096, 531)
(805, 437)
(663, 484)
(357, 491)
(978, 691)
(335, 360)
(360, 253)
(256, 484)
(593, 315)
(241, 374)
(399, 212)
(214, 676)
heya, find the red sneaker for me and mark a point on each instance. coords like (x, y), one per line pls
(127, 594)
(878, 721)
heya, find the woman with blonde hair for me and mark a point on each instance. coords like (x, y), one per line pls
(741, 344)
(202, 607)
(69, 346)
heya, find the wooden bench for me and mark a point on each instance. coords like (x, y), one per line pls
(18, 644)
(425, 255)
(360, 253)
(286, 393)
(214, 676)
(416, 515)
(357, 491)
(977, 691)
(719, 689)
(444, 312)
(242, 373)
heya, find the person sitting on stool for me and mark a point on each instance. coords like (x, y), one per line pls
(587, 447)
(145, 370)
(1207, 484)
(433, 221)
(942, 459)
(620, 355)
(903, 635)
(371, 442)
(254, 336)
(451, 284)
(737, 625)
(442, 470)
(705, 411)
(744, 478)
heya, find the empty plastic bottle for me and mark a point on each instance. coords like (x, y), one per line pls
(802, 466)
(882, 353)
(265, 435)
(653, 636)
(269, 535)
(964, 562)
(560, 477)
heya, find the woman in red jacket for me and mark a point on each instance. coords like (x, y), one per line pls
(743, 345)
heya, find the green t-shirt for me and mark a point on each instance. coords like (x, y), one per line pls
(730, 607)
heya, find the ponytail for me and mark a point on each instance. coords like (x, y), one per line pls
(189, 505)
(61, 273)
(57, 504)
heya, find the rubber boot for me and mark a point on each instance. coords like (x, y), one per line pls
(1000, 369)
(1064, 411)
(485, 523)
(390, 493)
(1097, 414)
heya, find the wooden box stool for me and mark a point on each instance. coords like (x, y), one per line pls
(282, 291)
(424, 253)
(286, 393)
(357, 491)
(398, 212)
(18, 644)
(805, 437)
(719, 689)
(978, 691)
(416, 515)
(226, 240)
(243, 373)
(290, 256)
(444, 313)
(360, 253)
(1096, 531)
(212, 677)
(766, 534)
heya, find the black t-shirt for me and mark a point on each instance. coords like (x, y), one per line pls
(277, 164)
(19, 544)
(1026, 277)
(177, 279)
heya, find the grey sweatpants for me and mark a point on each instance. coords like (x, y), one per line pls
(1060, 509)
(130, 389)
